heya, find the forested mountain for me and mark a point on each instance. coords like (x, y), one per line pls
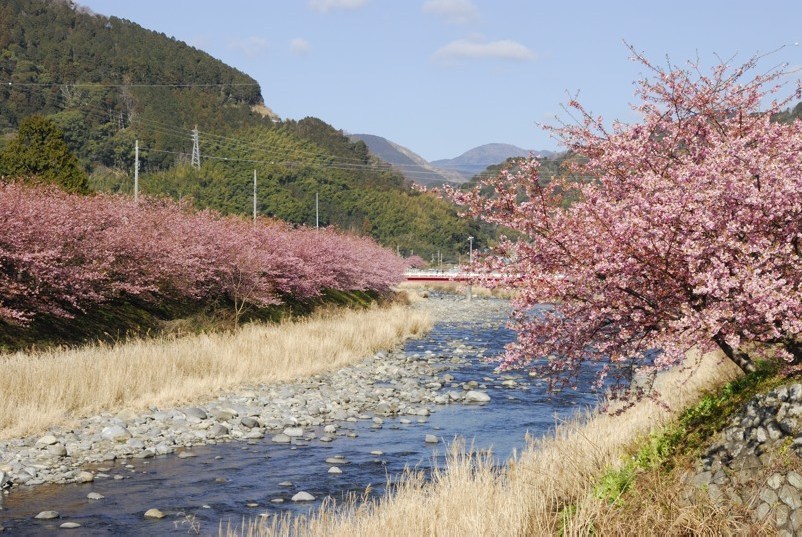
(107, 82)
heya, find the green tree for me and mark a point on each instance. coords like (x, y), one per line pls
(40, 150)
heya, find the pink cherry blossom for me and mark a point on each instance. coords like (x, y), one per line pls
(683, 230)
(61, 254)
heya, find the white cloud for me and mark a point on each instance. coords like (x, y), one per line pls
(300, 47)
(464, 49)
(453, 11)
(324, 6)
(250, 46)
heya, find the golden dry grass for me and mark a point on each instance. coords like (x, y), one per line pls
(658, 502)
(535, 494)
(57, 387)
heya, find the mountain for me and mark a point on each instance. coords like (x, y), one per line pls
(110, 85)
(476, 160)
(409, 164)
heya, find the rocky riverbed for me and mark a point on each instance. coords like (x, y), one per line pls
(391, 383)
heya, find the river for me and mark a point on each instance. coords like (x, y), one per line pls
(240, 480)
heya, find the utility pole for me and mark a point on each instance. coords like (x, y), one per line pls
(470, 265)
(136, 171)
(317, 212)
(254, 196)
(195, 148)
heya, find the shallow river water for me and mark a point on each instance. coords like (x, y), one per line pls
(241, 480)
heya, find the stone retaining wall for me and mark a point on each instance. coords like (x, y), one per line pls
(756, 462)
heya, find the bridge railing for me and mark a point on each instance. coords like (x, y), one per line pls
(447, 275)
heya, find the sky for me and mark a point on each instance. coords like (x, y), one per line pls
(443, 76)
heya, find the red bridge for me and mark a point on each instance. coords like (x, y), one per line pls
(446, 276)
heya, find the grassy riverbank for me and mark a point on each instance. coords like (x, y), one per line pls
(542, 492)
(57, 387)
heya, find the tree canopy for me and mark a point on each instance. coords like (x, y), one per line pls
(687, 236)
(39, 150)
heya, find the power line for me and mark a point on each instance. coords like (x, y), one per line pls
(266, 155)
(272, 154)
(102, 85)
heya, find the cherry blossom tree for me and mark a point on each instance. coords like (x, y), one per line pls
(61, 254)
(687, 233)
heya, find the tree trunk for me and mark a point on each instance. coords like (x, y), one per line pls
(739, 358)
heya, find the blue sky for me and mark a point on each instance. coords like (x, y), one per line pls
(443, 76)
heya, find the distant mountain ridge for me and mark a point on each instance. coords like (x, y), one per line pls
(457, 170)
(476, 160)
(408, 163)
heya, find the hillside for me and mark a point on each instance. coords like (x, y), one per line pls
(475, 160)
(107, 82)
(409, 164)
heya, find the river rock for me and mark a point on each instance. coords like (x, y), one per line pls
(335, 470)
(281, 438)
(135, 443)
(303, 496)
(195, 412)
(85, 477)
(217, 431)
(294, 432)
(116, 433)
(95, 496)
(46, 440)
(475, 396)
(145, 454)
(383, 409)
(57, 450)
(5, 481)
(47, 515)
(224, 414)
(249, 422)
(70, 525)
(431, 439)
(154, 513)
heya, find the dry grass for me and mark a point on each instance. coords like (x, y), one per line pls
(658, 502)
(539, 493)
(58, 387)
